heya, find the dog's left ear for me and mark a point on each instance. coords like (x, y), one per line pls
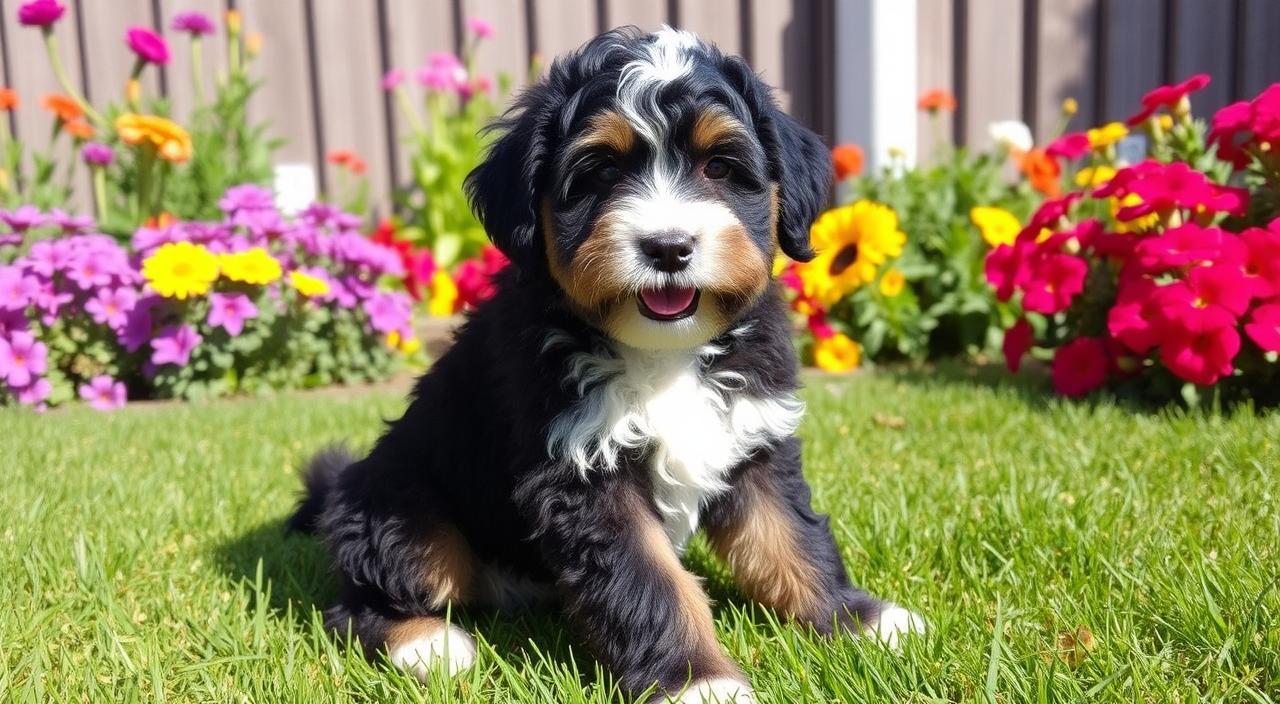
(798, 161)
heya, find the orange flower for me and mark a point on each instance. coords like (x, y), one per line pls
(347, 159)
(847, 159)
(8, 99)
(62, 106)
(171, 142)
(937, 99)
(79, 129)
(1043, 172)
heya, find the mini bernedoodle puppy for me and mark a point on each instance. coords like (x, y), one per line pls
(631, 382)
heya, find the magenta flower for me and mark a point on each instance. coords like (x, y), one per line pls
(246, 197)
(388, 312)
(22, 219)
(194, 23)
(481, 28)
(137, 327)
(48, 257)
(10, 239)
(17, 290)
(96, 154)
(392, 79)
(174, 344)
(12, 321)
(1179, 247)
(1053, 283)
(89, 270)
(35, 393)
(149, 46)
(41, 13)
(1264, 327)
(443, 72)
(68, 223)
(229, 311)
(103, 393)
(22, 359)
(111, 306)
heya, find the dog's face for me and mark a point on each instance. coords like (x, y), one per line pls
(652, 179)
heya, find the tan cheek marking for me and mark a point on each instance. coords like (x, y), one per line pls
(693, 607)
(743, 271)
(449, 567)
(592, 280)
(609, 129)
(712, 128)
(767, 559)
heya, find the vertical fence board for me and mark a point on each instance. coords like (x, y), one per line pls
(716, 21)
(181, 84)
(645, 14)
(1203, 40)
(774, 48)
(110, 60)
(563, 25)
(1134, 51)
(350, 92)
(993, 78)
(1068, 52)
(414, 29)
(935, 68)
(508, 51)
(1261, 52)
(285, 99)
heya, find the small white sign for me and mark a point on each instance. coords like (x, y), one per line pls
(295, 187)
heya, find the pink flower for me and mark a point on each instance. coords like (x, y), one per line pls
(819, 326)
(1080, 366)
(1072, 145)
(1017, 340)
(194, 23)
(1049, 213)
(104, 393)
(96, 154)
(1168, 97)
(1264, 327)
(149, 46)
(17, 290)
(1006, 270)
(1201, 349)
(35, 393)
(174, 345)
(388, 312)
(40, 13)
(1242, 126)
(1173, 185)
(229, 311)
(111, 306)
(1053, 283)
(443, 72)
(22, 359)
(481, 28)
(1179, 248)
(1137, 319)
(392, 79)
(1257, 252)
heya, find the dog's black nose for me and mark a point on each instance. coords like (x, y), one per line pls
(668, 251)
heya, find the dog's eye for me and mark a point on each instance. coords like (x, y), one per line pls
(607, 174)
(716, 168)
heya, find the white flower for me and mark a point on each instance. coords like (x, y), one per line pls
(1011, 135)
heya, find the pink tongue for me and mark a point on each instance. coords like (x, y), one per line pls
(667, 301)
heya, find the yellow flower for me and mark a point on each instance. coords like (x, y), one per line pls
(780, 263)
(132, 90)
(1139, 224)
(837, 353)
(180, 270)
(406, 345)
(997, 225)
(1094, 176)
(1165, 121)
(234, 21)
(308, 285)
(892, 283)
(170, 140)
(254, 266)
(1107, 135)
(852, 242)
(444, 294)
(1070, 106)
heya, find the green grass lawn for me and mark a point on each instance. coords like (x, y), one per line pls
(141, 556)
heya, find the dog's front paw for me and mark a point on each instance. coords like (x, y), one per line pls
(450, 648)
(891, 624)
(720, 690)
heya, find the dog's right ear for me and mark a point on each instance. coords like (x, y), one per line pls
(505, 189)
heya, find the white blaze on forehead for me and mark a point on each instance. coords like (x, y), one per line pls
(667, 58)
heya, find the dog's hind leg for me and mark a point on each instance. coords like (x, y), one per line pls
(416, 643)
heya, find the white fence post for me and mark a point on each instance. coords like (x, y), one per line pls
(876, 77)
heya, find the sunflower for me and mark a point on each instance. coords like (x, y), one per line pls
(837, 353)
(170, 140)
(254, 266)
(852, 242)
(180, 270)
(308, 285)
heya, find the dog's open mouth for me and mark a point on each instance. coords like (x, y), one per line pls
(669, 302)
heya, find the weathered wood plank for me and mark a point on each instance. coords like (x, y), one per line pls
(563, 25)
(350, 93)
(645, 14)
(110, 60)
(508, 51)
(717, 21)
(1068, 49)
(1134, 49)
(413, 30)
(1204, 38)
(284, 65)
(1261, 58)
(181, 81)
(775, 50)
(935, 68)
(993, 77)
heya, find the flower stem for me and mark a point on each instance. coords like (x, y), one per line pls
(100, 191)
(410, 115)
(55, 61)
(146, 162)
(197, 72)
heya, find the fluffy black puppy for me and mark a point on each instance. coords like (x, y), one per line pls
(632, 380)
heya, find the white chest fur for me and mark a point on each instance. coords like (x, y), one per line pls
(693, 424)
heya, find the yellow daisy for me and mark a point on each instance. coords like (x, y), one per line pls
(180, 270)
(892, 283)
(444, 295)
(1107, 135)
(997, 225)
(852, 242)
(254, 266)
(1094, 176)
(837, 353)
(308, 285)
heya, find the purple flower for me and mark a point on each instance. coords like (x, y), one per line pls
(89, 269)
(70, 224)
(96, 154)
(50, 301)
(10, 239)
(48, 257)
(35, 393)
(246, 197)
(104, 393)
(443, 72)
(22, 219)
(149, 46)
(137, 327)
(17, 290)
(112, 306)
(229, 311)
(194, 23)
(40, 13)
(392, 79)
(22, 359)
(481, 28)
(388, 312)
(12, 321)
(174, 344)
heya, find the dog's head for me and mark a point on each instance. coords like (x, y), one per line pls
(652, 178)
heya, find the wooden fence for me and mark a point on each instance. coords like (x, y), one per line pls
(322, 60)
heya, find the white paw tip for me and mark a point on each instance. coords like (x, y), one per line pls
(721, 690)
(450, 647)
(892, 623)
